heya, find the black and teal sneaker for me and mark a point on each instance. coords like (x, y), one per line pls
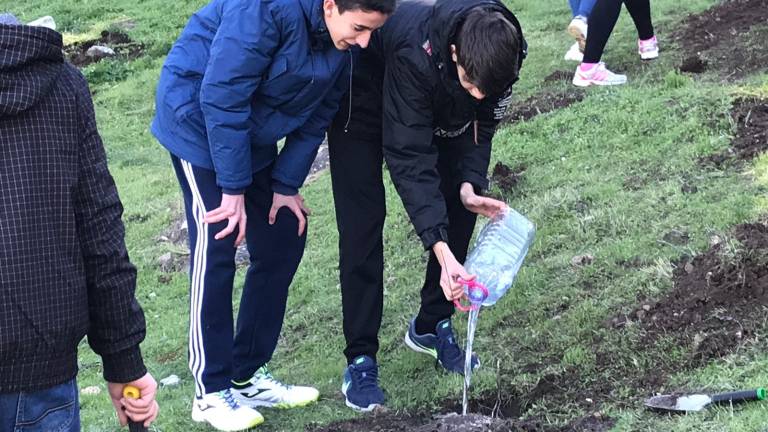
(361, 385)
(441, 345)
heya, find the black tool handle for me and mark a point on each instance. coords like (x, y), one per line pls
(136, 426)
(739, 396)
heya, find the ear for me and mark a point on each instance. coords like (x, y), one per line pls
(328, 6)
(454, 57)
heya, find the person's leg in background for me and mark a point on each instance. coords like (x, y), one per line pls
(591, 71)
(433, 320)
(640, 11)
(275, 253)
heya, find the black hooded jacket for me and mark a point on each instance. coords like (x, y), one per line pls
(406, 86)
(64, 268)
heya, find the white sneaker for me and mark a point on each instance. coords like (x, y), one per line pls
(598, 75)
(574, 53)
(648, 49)
(222, 411)
(265, 391)
(578, 30)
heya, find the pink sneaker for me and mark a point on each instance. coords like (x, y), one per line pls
(648, 49)
(598, 75)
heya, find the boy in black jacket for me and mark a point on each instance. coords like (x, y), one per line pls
(64, 268)
(426, 96)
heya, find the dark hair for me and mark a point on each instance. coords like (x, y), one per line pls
(383, 6)
(488, 48)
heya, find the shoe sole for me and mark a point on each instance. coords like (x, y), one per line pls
(586, 83)
(277, 405)
(198, 417)
(358, 408)
(418, 348)
(580, 37)
(649, 56)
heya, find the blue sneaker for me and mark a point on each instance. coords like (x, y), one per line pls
(442, 346)
(361, 385)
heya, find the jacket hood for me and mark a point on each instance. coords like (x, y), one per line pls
(447, 15)
(30, 61)
(313, 12)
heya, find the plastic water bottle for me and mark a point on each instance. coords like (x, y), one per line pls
(499, 252)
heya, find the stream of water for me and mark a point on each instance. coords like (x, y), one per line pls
(471, 326)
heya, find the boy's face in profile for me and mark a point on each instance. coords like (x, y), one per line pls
(468, 86)
(352, 27)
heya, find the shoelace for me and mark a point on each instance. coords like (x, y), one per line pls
(227, 397)
(366, 379)
(449, 351)
(267, 375)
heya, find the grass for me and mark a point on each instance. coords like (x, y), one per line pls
(651, 131)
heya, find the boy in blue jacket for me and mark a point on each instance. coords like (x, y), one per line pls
(243, 75)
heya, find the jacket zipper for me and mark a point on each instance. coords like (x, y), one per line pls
(349, 108)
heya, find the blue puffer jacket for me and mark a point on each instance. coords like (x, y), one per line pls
(243, 75)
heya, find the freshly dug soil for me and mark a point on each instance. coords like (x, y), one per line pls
(124, 48)
(750, 115)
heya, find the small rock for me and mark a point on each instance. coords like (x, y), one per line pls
(715, 240)
(582, 260)
(46, 21)
(92, 390)
(589, 400)
(640, 314)
(128, 24)
(688, 267)
(152, 295)
(242, 257)
(165, 261)
(170, 381)
(677, 237)
(646, 307)
(688, 188)
(100, 52)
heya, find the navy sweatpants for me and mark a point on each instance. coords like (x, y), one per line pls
(217, 355)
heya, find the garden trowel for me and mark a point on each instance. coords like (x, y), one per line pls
(697, 402)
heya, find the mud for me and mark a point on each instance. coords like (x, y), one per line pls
(540, 104)
(124, 47)
(717, 299)
(750, 117)
(507, 178)
(730, 38)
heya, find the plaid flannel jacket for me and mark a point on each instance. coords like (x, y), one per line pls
(64, 268)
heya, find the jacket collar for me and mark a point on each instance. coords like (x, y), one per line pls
(318, 32)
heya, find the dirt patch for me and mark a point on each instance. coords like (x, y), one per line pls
(122, 45)
(541, 104)
(493, 411)
(507, 178)
(694, 64)
(559, 76)
(717, 297)
(176, 258)
(453, 422)
(730, 37)
(750, 117)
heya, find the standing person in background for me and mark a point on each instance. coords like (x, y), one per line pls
(426, 97)
(603, 19)
(577, 28)
(64, 268)
(243, 75)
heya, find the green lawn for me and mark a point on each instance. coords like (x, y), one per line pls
(655, 128)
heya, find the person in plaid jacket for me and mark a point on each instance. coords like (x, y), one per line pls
(64, 268)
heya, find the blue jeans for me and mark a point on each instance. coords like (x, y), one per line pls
(55, 409)
(582, 7)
